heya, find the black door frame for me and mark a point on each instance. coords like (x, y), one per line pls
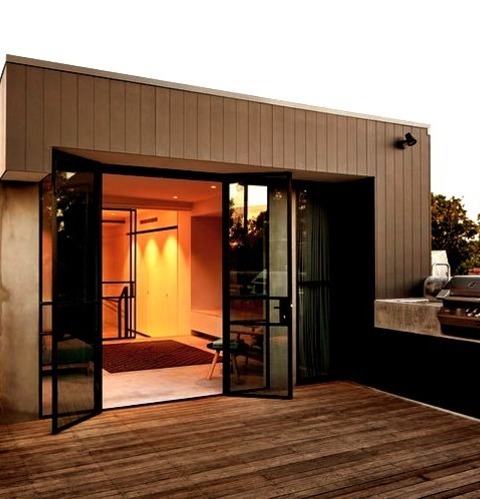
(99, 169)
(269, 180)
(63, 162)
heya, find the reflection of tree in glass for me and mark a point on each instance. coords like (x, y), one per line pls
(66, 198)
(73, 193)
(236, 231)
(247, 245)
(77, 214)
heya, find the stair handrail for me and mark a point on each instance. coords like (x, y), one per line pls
(123, 297)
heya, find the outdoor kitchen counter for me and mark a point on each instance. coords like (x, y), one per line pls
(414, 315)
(408, 355)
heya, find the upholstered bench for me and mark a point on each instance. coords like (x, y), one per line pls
(237, 347)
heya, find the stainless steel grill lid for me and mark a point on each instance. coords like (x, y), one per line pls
(460, 311)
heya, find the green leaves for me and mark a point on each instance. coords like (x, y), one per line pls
(454, 232)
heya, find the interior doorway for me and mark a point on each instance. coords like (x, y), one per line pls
(118, 274)
(162, 285)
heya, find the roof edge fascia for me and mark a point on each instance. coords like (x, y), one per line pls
(13, 59)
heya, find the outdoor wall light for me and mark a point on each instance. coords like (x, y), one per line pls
(409, 140)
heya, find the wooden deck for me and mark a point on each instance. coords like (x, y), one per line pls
(331, 440)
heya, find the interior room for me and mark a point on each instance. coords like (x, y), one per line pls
(161, 259)
(161, 290)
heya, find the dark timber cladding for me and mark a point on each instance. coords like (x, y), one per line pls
(50, 105)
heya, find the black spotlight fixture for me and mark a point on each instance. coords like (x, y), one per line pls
(409, 140)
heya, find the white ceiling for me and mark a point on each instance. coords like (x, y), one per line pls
(133, 191)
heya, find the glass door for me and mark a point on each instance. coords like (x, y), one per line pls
(76, 303)
(257, 332)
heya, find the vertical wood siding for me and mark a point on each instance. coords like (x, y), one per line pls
(48, 108)
(16, 132)
(3, 123)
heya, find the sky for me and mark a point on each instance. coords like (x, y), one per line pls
(414, 60)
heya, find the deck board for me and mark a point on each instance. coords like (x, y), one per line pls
(332, 440)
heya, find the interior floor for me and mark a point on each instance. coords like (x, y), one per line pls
(161, 385)
(158, 385)
(164, 235)
(153, 385)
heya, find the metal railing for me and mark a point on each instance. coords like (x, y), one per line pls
(121, 306)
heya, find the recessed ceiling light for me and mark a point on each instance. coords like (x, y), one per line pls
(213, 187)
(175, 197)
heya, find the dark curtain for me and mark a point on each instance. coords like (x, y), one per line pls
(313, 279)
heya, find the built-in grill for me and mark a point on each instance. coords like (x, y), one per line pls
(460, 311)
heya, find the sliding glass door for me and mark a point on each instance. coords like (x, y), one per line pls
(257, 286)
(76, 303)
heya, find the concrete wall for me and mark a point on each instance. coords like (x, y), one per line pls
(19, 290)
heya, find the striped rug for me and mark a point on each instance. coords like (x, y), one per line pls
(139, 356)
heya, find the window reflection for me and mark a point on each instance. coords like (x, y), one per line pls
(259, 312)
(247, 229)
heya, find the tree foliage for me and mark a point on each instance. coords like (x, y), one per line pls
(454, 232)
(247, 245)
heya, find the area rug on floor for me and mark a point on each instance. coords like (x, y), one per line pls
(139, 356)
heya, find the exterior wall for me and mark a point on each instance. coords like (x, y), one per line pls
(19, 285)
(146, 123)
(49, 107)
(3, 113)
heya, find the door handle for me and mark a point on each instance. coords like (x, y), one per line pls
(284, 308)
